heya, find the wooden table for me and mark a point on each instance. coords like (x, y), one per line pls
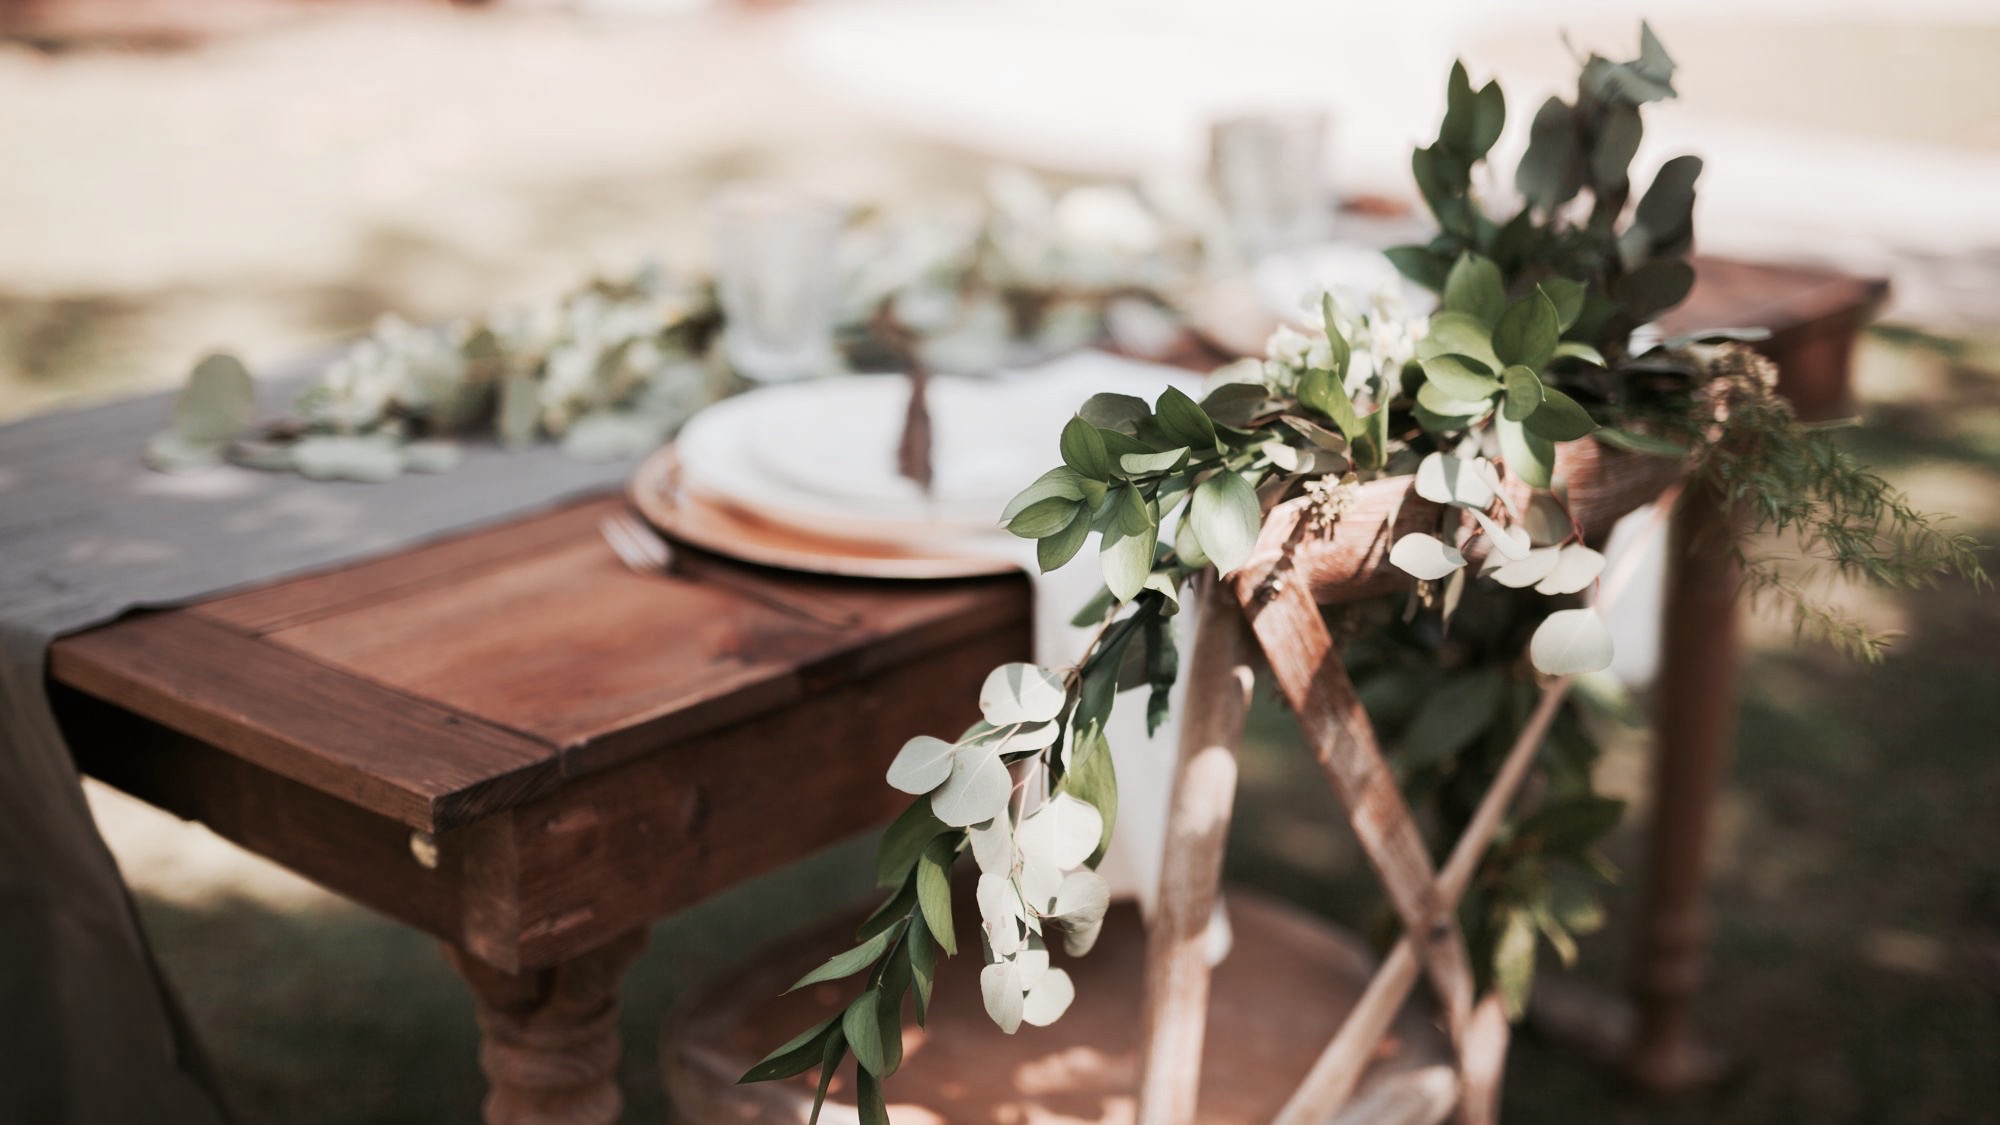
(509, 741)
(512, 742)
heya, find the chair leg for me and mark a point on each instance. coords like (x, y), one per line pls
(1177, 969)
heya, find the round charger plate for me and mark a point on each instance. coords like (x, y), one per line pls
(716, 526)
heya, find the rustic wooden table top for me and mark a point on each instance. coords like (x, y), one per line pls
(517, 697)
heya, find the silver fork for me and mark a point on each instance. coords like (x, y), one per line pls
(643, 551)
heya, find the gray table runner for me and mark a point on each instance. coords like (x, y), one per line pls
(88, 1030)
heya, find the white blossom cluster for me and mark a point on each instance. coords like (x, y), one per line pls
(1383, 337)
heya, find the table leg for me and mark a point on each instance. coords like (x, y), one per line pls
(1694, 724)
(1175, 1017)
(549, 1038)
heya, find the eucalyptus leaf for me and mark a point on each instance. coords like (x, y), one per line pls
(1048, 998)
(1433, 398)
(1526, 571)
(1618, 132)
(1576, 349)
(977, 789)
(217, 403)
(1021, 693)
(1420, 265)
(1510, 543)
(1444, 479)
(1571, 642)
(1079, 908)
(1578, 567)
(922, 765)
(1000, 987)
(1226, 518)
(340, 457)
(1654, 288)
(999, 914)
(1550, 171)
(1489, 117)
(1064, 831)
(1093, 778)
(1666, 211)
(1425, 556)
(993, 845)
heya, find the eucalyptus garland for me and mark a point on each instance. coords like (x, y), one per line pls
(1531, 346)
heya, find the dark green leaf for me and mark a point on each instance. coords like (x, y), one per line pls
(1420, 265)
(1654, 288)
(1061, 481)
(1044, 517)
(922, 954)
(1567, 296)
(1572, 826)
(1618, 132)
(1514, 962)
(1640, 443)
(1653, 61)
(1146, 464)
(795, 1057)
(1551, 170)
(1319, 390)
(894, 909)
(1162, 665)
(1474, 287)
(1461, 377)
(1185, 422)
(934, 891)
(1524, 393)
(1666, 211)
(1489, 117)
(849, 963)
(1560, 418)
(868, 1105)
(836, 1048)
(1336, 344)
(1236, 404)
(1226, 519)
(862, 1024)
(1528, 331)
(904, 840)
(1457, 710)
(1453, 333)
(1057, 549)
(1115, 412)
(1083, 450)
(1460, 112)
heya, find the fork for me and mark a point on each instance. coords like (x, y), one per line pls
(643, 551)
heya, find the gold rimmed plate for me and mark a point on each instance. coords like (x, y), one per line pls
(714, 525)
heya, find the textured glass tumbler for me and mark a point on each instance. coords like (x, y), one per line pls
(1268, 174)
(776, 274)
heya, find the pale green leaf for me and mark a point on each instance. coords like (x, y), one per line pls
(922, 765)
(1226, 519)
(1571, 642)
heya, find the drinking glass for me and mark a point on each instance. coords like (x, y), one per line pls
(1268, 171)
(777, 275)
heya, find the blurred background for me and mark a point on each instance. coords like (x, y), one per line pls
(272, 176)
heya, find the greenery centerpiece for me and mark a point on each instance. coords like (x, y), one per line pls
(1534, 348)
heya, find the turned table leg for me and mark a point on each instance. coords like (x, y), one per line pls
(1694, 724)
(549, 1038)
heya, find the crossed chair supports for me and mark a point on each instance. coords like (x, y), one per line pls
(1271, 608)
